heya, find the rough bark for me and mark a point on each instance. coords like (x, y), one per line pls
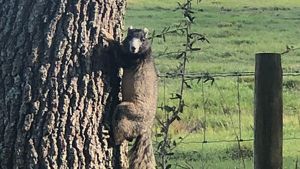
(55, 99)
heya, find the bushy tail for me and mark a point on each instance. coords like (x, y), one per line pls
(141, 155)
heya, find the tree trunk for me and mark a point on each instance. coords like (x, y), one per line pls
(55, 99)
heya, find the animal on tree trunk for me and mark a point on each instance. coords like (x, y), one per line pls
(134, 116)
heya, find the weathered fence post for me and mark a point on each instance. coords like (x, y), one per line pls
(268, 111)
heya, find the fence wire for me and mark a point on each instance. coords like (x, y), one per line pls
(214, 78)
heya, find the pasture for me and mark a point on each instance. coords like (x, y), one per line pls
(236, 31)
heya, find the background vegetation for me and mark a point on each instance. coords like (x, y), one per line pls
(236, 31)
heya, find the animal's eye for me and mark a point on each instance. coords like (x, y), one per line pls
(143, 39)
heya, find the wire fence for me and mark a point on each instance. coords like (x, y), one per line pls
(210, 94)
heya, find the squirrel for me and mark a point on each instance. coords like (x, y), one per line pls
(134, 116)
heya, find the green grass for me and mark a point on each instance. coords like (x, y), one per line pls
(235, 35)
(236, 31)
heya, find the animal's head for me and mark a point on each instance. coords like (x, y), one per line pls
(137, 40)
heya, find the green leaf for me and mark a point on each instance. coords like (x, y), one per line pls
(168, 108)
(158, 135)
(195, 49)
(187, 85)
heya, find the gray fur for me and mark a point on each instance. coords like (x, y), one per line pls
(134, 116)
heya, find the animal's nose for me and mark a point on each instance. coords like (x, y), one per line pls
(133, 48)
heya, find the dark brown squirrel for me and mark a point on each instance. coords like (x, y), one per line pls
(134, 116)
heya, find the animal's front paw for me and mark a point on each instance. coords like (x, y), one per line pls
(106, 35)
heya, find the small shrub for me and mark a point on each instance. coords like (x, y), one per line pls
(236, 153)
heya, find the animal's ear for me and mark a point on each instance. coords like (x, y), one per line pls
(146, 31)
(130, 28)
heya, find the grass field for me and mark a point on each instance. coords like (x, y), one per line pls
(236, 31)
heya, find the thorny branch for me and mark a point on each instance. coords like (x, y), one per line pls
(173, 113)
(290, 49)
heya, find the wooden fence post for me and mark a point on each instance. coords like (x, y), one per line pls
(268, 111)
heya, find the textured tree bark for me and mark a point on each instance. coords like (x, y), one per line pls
(56, 94)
